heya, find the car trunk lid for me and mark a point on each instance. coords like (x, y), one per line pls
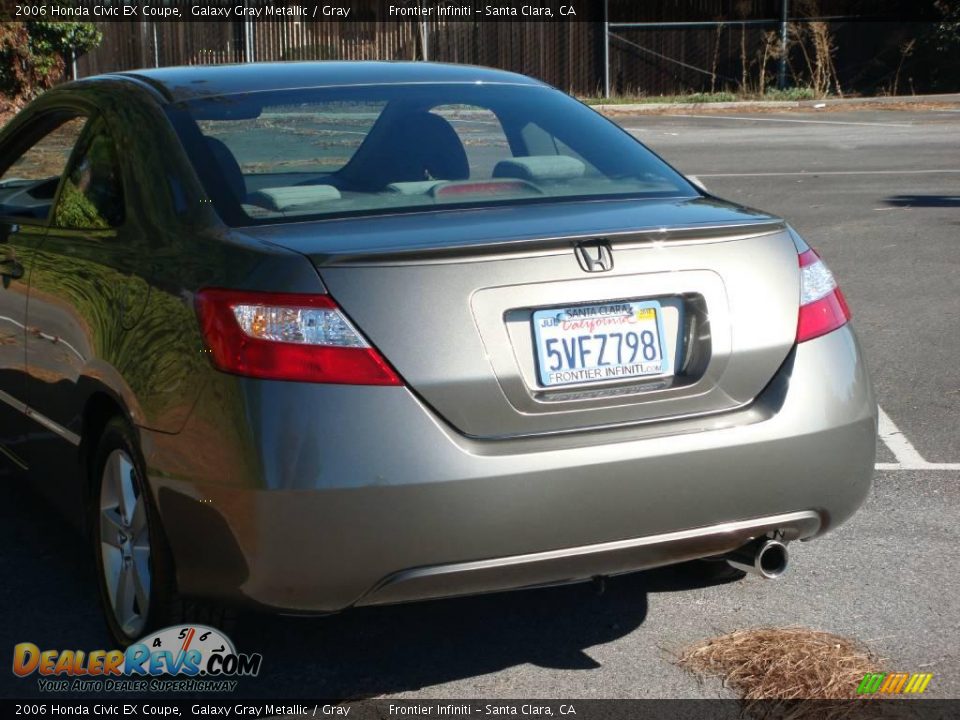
(450, 299)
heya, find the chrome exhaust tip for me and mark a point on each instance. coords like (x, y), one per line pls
(767, 558)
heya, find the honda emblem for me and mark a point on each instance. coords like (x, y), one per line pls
(594, 256)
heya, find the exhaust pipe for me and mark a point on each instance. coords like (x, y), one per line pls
(767, 558)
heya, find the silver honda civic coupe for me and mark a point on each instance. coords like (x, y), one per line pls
(312, 336)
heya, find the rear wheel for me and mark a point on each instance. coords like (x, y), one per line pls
(135, 568)
(133, 563)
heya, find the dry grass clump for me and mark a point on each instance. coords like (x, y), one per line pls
(786, 664)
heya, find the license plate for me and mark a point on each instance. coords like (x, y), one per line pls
(598, 343)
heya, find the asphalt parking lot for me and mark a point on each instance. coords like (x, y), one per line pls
(878, 194)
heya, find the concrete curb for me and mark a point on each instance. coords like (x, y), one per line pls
(951, 98)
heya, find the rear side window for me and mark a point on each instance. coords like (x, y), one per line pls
(329, 152)
(29, 182)
(541, 142)
(92, 194)
(480, 134)
(306, 138)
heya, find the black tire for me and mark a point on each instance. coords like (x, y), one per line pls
(118, 443)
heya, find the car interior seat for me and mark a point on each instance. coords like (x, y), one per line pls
(229, 167)
(418, 146)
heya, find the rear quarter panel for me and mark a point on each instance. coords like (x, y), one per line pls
(111, 311)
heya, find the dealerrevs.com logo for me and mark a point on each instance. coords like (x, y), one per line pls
(184, 658)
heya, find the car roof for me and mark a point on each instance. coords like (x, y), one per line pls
(197, 81)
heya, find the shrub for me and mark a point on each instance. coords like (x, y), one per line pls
(34, 55)
(793, 93)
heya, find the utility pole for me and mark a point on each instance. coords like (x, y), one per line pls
(606, 48)
(248, 49)
(782, 69)
(424, 30)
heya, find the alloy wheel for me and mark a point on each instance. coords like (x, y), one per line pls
(125, 543)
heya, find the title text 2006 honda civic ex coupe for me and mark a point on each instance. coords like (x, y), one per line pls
(313, 336)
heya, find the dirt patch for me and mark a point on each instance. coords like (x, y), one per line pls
(787, 664)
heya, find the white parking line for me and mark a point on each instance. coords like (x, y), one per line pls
(792, 120)
(908, 458)
(811, 173)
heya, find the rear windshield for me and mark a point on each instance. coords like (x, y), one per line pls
(273, 156)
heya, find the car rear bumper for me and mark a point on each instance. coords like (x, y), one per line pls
(572, 564)
(312, 498)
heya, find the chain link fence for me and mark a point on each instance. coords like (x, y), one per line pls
(838, 57)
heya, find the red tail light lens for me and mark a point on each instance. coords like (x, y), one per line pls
(283, 336)
(822, 306)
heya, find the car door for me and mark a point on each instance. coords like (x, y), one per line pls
(74, 311)
(32, 161)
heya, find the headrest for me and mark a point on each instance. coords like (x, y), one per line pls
(540, 167)
(284, 198)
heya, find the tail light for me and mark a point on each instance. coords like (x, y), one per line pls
(283, 336)
(822, 306)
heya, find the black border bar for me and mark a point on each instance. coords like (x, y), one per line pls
(621, 13)
(487, 709)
